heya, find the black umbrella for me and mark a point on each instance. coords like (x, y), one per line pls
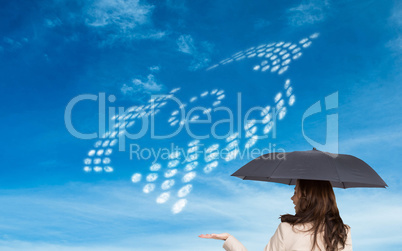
(340, 169)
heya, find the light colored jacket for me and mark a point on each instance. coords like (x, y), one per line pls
(288, 239)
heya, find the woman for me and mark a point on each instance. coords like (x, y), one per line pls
(315, 226)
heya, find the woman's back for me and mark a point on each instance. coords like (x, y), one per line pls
(297, 238)
(288, 238)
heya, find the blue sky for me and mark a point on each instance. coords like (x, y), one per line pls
(54, 51)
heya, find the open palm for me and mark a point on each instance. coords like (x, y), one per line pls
(222, 236)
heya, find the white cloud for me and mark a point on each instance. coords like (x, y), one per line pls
(186, 44)
(110, 22)
(365, 138)
(123, 20)
(200, 54)
(139, 89)
(154, 68)
(395, 44)
(13, 44)
(177, 5)
(396, 14)
(308, 12)
(122, 37)
(395, 21)
(51, 23)
(261, 24)
(125, 15)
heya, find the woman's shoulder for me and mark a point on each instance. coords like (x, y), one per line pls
(299, 226)
(296, 228)
(287, 227)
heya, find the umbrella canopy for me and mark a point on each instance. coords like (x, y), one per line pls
(341, 170)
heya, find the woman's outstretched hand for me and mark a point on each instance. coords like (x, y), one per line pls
(222, 236)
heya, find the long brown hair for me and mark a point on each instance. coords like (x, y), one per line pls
(317, 205)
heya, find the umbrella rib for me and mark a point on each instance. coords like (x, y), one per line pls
(277, 166)
(336, 169)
